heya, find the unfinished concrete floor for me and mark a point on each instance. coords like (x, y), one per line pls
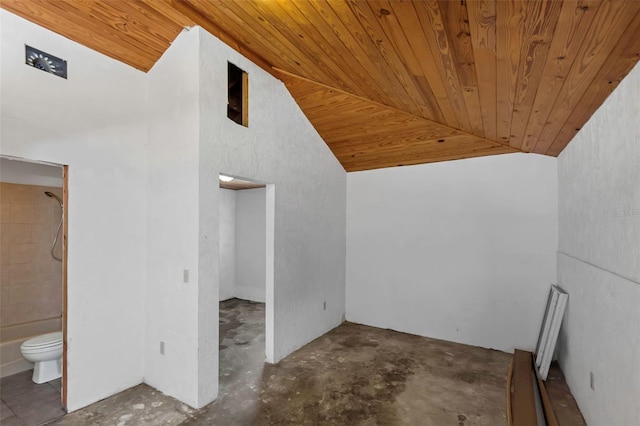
(353, 375)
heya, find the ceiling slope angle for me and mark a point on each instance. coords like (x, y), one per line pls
(391, 82)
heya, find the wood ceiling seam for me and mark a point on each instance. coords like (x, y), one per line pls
(390, 121)
(378, 37)
(365, 60)
(427, 149)
(456, 19)
(502, 149)
(375, 58)
(327, 32)
(404, 146)
(259, 34)
(611, 20)
(390, 139)
(482, 26)
(511, 18)
(427, 153)
(373, 138)
(576, 18)
(286, 47)
(308, 31)
(431, 20)
(420, 48)
(538, 33)
(203, 21)
(619, 63)
(395, 36)
(306, 50)
(284, 74)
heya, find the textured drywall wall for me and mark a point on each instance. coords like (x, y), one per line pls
(598, 259)
(227, 244)
(251, 244)
(461, 251)
(190, 142)
(279, 147)
(172, 222)
(95, 122)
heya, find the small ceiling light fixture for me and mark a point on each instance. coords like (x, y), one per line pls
(225, 178)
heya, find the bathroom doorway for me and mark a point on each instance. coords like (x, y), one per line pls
(34, 259)
(246, 265)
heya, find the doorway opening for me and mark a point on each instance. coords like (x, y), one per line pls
(246, 268)
(34, 289)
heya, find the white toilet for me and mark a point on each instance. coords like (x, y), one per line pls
(46, 352)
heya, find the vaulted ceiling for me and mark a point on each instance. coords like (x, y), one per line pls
(389, 83)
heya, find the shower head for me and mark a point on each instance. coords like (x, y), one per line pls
(52, 195)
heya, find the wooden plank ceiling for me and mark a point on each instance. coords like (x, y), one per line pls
(391, 82)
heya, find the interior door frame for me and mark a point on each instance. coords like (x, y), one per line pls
(65, 255)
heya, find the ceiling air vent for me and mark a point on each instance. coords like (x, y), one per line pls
(45, 62)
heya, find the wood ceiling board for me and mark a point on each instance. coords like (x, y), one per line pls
(456, 24)
(418, 129)
(427, 105)
(620, 62)
(436, 35)
(287, 47)
(391, 76)
(609, 25)
(186, 9)
(318, 102)
(391, 162)
(378, 140)
(482, 27)
(167, 11)
(510, 22)
(540, 24)
(365, 54)
(117, 29)
(383, 135)
(318, 29)
(239, 185)
(425, 147)
(410, 25)
(289, 21)
(370, 20)
(573, 24)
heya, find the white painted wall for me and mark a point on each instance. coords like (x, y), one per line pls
(190, 142)
(227, 244)
(172, 221)
(26, 173)
(460, 250)
(251, 245)
(96, 123)
(282, 148)
(598, 259)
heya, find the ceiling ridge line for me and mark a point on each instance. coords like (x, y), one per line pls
(462, 132)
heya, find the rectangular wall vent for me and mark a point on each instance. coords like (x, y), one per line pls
(45, 62)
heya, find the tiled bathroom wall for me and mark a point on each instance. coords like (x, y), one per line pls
(30, 279)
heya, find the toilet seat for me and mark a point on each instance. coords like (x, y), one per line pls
(45, 341)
